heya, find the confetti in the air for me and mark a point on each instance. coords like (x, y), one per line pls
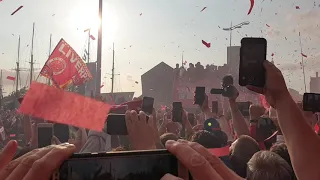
(140, 14)
(208, 45)
(251, 6)
(272, 54)
(16, 10)
(203, 9)
(267, 25)
(101, 86)
(297, 7)
(304, 55)
(92, 37)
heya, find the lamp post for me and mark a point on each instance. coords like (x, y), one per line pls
(231, 28)
(238, 26)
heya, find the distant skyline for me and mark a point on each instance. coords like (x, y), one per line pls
(162, 32)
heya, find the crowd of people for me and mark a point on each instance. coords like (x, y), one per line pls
(196, 72)
(279, 143)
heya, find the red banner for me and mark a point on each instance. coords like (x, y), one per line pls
(65, 66)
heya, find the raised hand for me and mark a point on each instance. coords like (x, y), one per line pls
(141, 130)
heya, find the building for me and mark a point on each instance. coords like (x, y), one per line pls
(158, 83)
(233, 59)
(89, 86)
(117, 97)
(315, 84)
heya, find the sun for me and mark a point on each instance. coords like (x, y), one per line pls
(85, 16)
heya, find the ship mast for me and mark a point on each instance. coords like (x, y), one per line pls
(31, 62)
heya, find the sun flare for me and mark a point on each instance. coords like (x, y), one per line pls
(83, 17)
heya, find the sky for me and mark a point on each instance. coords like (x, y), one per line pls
(146, 32)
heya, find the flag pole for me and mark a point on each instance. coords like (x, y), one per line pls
(302, 63)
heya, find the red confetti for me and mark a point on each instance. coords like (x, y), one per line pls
(11, 78)
(272, 54)
(267, 25)
(203, 9)
(304, 55)
(101, 86)
(163, 107)
(251, 6)
(16, 10)
(185, 62)
(140, 14)
(208, 45)
(188, 88)
(63, 107)
(297, 7)
(92, 37)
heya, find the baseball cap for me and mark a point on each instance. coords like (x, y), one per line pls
(211, 125)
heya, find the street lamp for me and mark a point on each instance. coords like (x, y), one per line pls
(238, 26)
(231, 28)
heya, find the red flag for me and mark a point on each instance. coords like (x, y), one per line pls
(11, 78)
(208, 45)
(16, 10)
(304, 55)
(65, 66)
(251, 6)
(63, 107)
(264, 102)
(92, 37)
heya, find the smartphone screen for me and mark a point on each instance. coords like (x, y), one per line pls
(147, 105)
(199, 96)
(253, 53)
(244, 108)
(214, 107)
(177, 112)
(151, 165)
(311, 102)
(116, 124)
(45, 133)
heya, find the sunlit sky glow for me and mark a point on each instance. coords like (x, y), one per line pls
(165, 29)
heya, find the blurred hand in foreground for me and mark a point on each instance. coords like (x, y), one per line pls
(37, 164)
(199, 161)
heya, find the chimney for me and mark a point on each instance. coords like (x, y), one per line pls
(316, 74)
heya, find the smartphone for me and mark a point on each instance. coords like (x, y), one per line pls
(311, 102)
(147, 105)
(177, 112)
(116, 124)
(214, 107)
(216, 91)
(45, 134)
(151, 165)
(199, 95)
(253, 53)
(244, 108)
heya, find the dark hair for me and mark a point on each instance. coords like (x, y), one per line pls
(206, 139)
(282, 150)
(168, 136)
(266, 165)
(241, 152)
(227, 80)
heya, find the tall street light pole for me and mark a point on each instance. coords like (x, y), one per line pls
(230, 29)
(99, 51)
